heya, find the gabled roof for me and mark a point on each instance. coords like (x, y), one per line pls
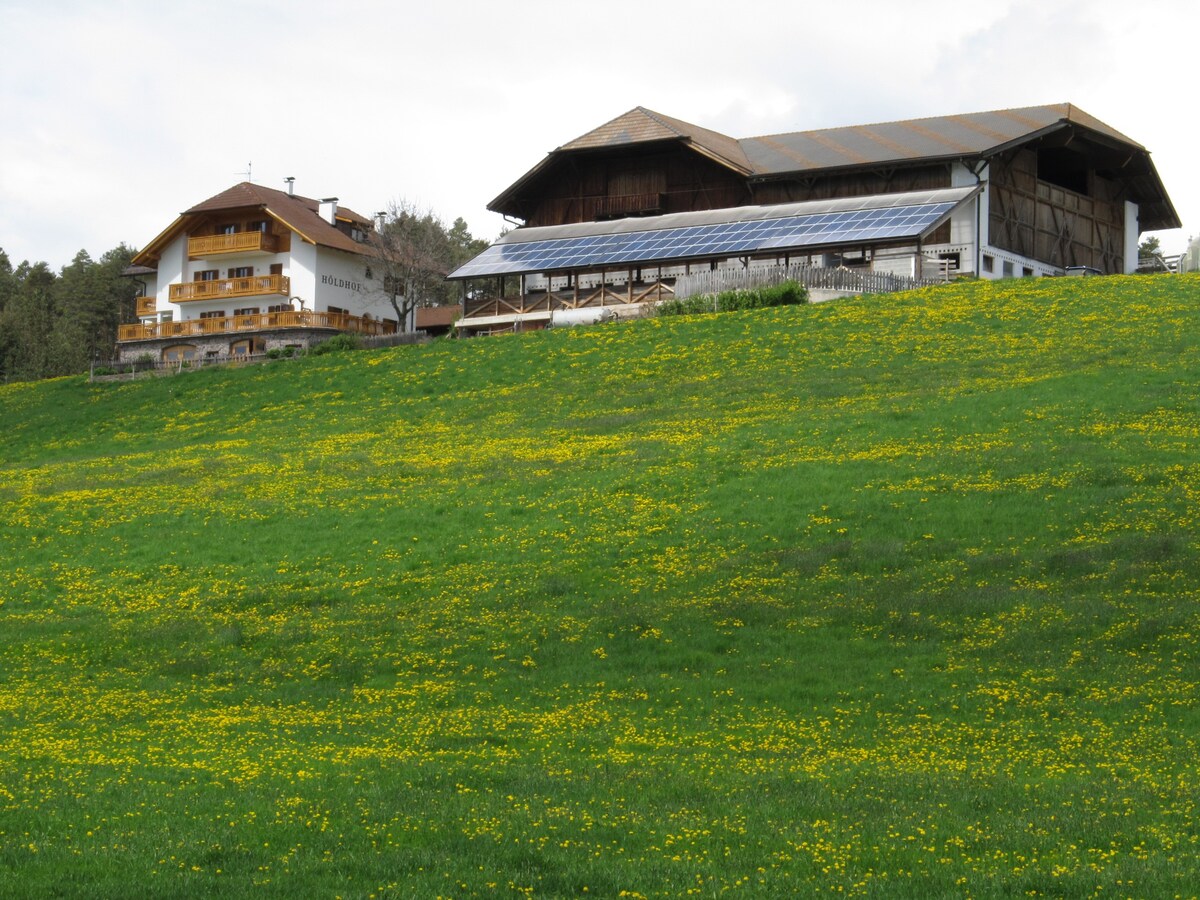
(906, 142)
(300, 214)
(641, 125)
(937, 137)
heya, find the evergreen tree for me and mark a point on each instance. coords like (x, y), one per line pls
(58, 324)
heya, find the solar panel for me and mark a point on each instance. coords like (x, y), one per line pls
(706, 241)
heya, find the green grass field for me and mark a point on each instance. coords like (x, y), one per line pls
(888, 597)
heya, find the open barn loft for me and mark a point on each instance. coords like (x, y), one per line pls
(621, 214)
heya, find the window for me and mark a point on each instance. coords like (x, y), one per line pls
(177, 352)
(248, 311)
(229, 228)
(1008, 269)
(339, 311)
(215, 314)
(1064, 167)
(1026, 272)
(954, 259)
(262, 226)
(167, 316)
(279, 307)
(241, 272)
(276, 268)
(246, 347)
(989, 263)
(206, 275)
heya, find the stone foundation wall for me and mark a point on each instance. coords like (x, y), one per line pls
(219, 344)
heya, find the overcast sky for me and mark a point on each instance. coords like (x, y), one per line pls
(115, 116)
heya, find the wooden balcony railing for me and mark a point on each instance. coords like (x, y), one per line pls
(147, 306)
(221, 288)
(626, 205)
(258, 322)
(242, 242)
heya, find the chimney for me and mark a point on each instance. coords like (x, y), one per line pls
(291, 183)
(328, 210)
(380, 221)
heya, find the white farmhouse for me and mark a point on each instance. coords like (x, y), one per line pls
(253, 269)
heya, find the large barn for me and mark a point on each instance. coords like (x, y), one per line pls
(636, 209)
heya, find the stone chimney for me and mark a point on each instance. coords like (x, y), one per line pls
(328, 210)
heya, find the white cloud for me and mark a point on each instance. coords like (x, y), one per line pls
(117, 117)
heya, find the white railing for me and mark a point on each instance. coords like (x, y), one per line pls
(812, 277)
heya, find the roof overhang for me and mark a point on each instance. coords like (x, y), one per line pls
(503, 203)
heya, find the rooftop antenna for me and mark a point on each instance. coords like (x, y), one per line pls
(247, 173)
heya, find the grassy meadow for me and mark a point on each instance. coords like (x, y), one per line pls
(887, 597)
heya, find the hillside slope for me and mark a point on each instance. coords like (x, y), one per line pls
(894, 596)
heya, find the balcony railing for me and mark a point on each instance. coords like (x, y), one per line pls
(220, 288)
(242, 242)
(147, 306)
(257, 322)
(626, 205)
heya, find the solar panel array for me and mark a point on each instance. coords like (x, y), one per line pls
(858, 226)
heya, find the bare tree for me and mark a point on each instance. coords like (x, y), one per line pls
(413, 255)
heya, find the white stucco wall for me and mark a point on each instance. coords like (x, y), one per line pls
(341, 280)
(319, 276)
(1132, 233)
(172, 269)
(301, 267)
(968, 225)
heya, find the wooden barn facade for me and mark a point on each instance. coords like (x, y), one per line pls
(621, 214)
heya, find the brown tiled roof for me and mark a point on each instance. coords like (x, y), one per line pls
(641, 125)
(301, 214)
(971, 135)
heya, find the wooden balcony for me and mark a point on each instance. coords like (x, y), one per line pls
(231, 288)
(259, 322)
(626, 205)
(147, 306)
(242, 242)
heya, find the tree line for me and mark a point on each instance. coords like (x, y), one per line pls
(58, 323)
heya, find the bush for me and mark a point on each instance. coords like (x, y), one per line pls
(336, 344)
(789, 293)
